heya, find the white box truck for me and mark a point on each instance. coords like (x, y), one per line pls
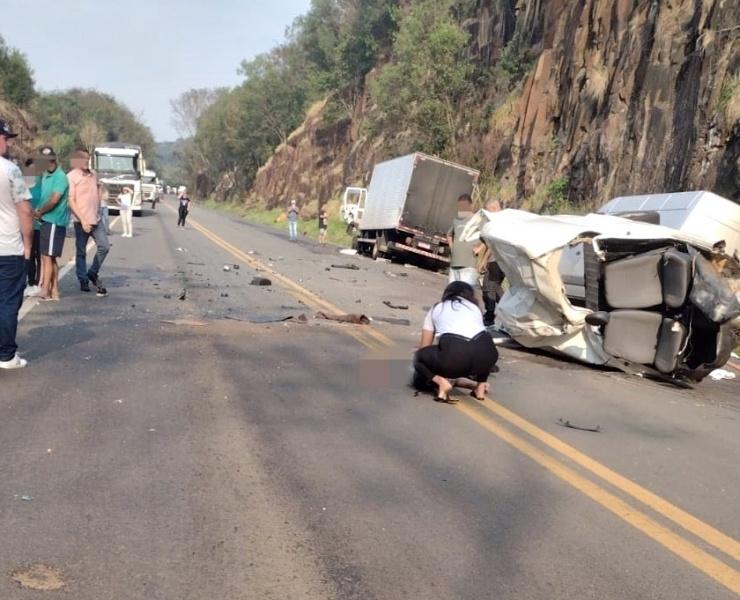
(409, 207)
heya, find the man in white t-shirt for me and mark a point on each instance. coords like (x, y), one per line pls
(16, 237)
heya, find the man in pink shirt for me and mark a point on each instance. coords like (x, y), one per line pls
(84, 202)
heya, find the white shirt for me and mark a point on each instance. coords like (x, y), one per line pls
(455, 316)
(13, 191)
(125, 200)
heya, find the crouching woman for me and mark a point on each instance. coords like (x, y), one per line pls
(464, 350)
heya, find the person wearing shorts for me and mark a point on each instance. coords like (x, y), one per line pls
(54, 216)
(323, 226)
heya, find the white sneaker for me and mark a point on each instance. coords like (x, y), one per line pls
(32, 291)
(14, 363)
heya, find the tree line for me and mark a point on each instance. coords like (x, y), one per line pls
(66, 119)
(408, 57)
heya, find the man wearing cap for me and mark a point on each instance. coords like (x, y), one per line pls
(54, 216)
(84, 202)
(16, 234)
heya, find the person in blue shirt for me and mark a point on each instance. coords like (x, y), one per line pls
(54, 216)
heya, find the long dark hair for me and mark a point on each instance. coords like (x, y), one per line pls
(458, 291)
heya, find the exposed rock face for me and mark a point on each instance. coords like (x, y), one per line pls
(23, 125)
(625, 96)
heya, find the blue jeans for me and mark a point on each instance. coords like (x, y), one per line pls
(100, 236)
(12, 284)
(293, 229)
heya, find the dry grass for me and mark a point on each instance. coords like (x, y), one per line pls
(731, 100)
(597, 81)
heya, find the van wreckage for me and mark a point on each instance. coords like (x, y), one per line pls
(651, 300)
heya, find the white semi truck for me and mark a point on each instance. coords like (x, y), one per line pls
(120, 165)
(409, 207)
(150, 187)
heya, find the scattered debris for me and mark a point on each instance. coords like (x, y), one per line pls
(394, 275)
(182, 250)
(235, 267)
(183, 295)
(348, 251)
(199, 264)
(349, 318)
(168, 296)
(349, 266)
(390, 304)
(719, 374)
(224, 295)
(302, 318)
(260, 281)
(39, 577)
(26, 498)
(570, 425)
(392, 321)
(189, 322)
(227, 268)
(119, 401)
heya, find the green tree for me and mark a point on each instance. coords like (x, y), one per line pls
(16, 77)
(428, 77)
(76, 116)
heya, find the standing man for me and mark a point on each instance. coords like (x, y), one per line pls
(463, 262)
(54, 216)
(84, 202)
(293, 214)
(16, 233)
(493, 276)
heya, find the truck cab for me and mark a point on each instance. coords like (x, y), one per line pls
(149, 187)
(119, 165)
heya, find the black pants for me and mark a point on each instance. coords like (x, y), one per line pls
(182, 214)
(492, 291)
(33, 264)
(454, 357)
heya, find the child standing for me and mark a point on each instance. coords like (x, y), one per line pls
(125, 200)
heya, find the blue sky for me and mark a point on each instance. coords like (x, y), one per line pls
(171, 45)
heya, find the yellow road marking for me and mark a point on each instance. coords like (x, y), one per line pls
(692, 554)
(377, 339)
(702, 530)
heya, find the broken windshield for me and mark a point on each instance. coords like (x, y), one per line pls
(116, 164)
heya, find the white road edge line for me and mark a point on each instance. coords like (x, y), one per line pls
(30, 303)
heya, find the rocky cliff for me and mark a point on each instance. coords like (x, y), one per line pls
(622, 96)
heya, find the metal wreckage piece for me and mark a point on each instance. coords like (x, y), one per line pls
(606, 290)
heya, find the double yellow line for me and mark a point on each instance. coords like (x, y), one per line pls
(721, 572)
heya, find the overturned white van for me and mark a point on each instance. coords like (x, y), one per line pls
(648, 298)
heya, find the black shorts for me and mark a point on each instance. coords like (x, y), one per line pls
(52, 239)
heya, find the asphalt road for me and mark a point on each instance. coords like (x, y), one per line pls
(159, 448)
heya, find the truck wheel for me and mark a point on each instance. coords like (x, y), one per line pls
(380, 247)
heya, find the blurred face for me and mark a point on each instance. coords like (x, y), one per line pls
(4, 146)
(80, 160)
(464, 206)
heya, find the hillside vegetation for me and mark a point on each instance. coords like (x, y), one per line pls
(560, 105)
(63, 119)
